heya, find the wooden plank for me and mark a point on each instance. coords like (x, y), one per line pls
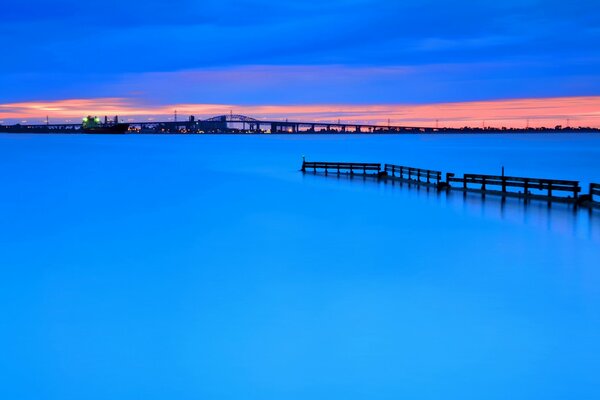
(342, 167)
(522, 179)
(411, 174)
(527, 184)
(594, 191)
(341, 163)
(531, 185)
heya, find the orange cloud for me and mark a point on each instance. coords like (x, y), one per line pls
(579, 111)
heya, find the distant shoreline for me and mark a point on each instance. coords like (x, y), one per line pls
(306, 133)
(243, 124)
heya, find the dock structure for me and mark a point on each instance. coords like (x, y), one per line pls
(549, 190)
(552, 190)
(413, 175)
(594, 196)
(350, 168)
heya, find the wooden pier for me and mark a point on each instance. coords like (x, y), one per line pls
(514, 186)
(413, 175)
(549, 190)
(594, 196)
(343, 168)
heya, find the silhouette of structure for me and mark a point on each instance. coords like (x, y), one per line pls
(550, 190)
(235, 123)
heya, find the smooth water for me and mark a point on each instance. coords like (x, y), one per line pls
(208, 267)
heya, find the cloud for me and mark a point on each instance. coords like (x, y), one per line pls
(458, 50)
(123, 37)
(305, 84)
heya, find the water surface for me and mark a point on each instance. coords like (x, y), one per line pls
(208, 267)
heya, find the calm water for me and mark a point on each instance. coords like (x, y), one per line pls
(208, 267)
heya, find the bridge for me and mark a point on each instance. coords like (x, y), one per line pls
(227, 123)
(236, 123)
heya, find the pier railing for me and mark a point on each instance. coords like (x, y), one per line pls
(342, 167)
(413, 174)
(525, 187)
(550, 190)
(595, 191)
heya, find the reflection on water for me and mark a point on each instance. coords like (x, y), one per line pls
(559, 218)
(567, 219)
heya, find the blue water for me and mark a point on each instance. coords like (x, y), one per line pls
(208, 267)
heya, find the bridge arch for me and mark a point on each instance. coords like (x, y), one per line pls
(231, 118)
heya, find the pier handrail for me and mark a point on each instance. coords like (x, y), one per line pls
(594, 191)
(412, 173)
(550, 190)
(323, 164)
(527, 184)
(339, 167)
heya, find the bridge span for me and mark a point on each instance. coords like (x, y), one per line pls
(235, 123)
(227, 123)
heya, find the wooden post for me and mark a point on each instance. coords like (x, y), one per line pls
(427, 176)
(448, 176)
(526, 189)
(483, 183)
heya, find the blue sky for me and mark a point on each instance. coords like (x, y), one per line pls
(352, 51)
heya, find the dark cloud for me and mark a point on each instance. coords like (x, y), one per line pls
(109, 40)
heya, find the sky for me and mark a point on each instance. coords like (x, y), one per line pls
(328, 55)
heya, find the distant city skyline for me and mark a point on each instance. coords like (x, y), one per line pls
(515, 113)
(294, 55)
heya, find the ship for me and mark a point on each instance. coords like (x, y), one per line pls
(93, 125)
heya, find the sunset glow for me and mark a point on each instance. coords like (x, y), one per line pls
(575, 111)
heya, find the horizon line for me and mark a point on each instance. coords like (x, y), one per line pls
(584, 111)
